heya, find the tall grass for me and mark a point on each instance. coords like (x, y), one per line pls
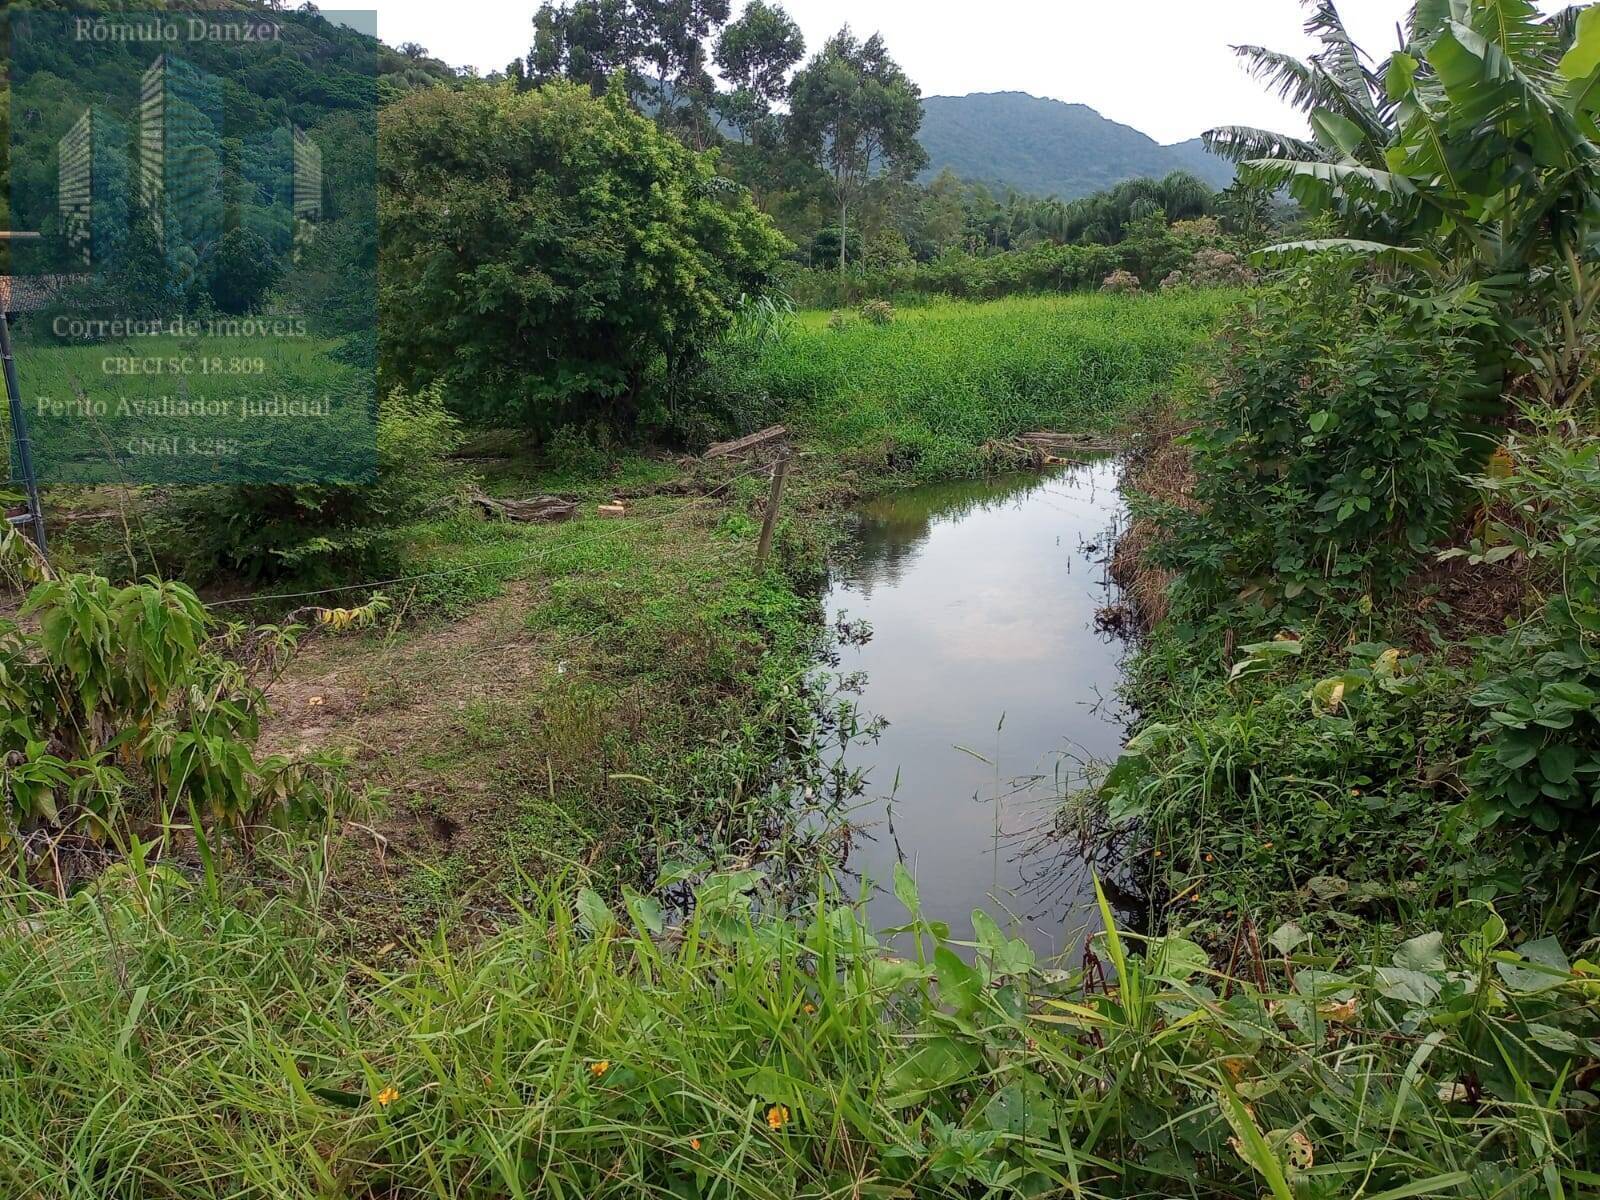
(154, 1043)
(922, 394)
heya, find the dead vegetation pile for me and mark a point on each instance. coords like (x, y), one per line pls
(1159, 468)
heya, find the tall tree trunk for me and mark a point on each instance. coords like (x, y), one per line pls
(844, 205)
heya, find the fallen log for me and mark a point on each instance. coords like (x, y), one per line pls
(748, 442)
(99, 514)
(542, 510)
(1050, 438)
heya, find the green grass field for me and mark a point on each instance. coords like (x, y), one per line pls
(157, 1043)
(919, 397)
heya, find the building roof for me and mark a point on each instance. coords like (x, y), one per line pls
(28, 293)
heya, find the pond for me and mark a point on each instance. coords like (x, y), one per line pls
(987, 663)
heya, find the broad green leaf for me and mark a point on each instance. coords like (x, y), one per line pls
(774, 1087)
(1553, 1037)
(1383, 252)
(1339, 132)
(1557, 763)
(933, 1064)
(646, 912)
(905, 890)
(1423, 953)
(1543, 965)
(1580, 66)
(959, 984)
(1007, 955)
(1415, 988)
(593, 912)
(1286, 937)
(1025, 1108)
(1177, 959)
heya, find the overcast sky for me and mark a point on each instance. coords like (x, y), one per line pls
(1162, 66)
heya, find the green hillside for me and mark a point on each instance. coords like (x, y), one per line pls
(1047, 147)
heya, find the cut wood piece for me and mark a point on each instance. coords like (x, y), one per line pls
(748, 442)
(1046, 437)
(613, 510)
(537, 510)
(101, 514)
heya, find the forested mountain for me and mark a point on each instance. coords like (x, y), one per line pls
(1047, 147)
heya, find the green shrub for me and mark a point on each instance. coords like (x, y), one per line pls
(1149, 250)
(956, 274)
(125, 711)
(315, 531)
(548, 255)
(1211, 267)
(1539, 762)
(241, 271)
(825, 247)
(582, 452)
(1287, 788)
(1327, 459)
(714, 397)
(1120, 281)
(877, 312)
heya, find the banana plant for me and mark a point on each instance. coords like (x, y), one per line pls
(1471, 153)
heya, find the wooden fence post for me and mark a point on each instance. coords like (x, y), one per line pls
(774, 499)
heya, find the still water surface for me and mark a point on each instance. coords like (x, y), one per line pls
(997, 688)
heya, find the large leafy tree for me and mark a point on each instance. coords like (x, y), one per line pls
(755, 55)
(855, 113)
(673, 37)
(659, 46)
(548, 253)
(586, 41)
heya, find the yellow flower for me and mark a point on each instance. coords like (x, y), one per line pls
(777, 1117)
(598, 1069)
(694, 1143)
(388, 1096)
(808, 1008)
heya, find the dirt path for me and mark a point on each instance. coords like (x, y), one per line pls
(402, 708)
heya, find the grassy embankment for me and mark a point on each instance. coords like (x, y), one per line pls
(159, 1045)
(162, 1043)
(609, 694)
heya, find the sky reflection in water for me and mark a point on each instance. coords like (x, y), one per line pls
(982, 598)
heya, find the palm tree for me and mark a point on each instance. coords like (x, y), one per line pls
(1185, 195)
